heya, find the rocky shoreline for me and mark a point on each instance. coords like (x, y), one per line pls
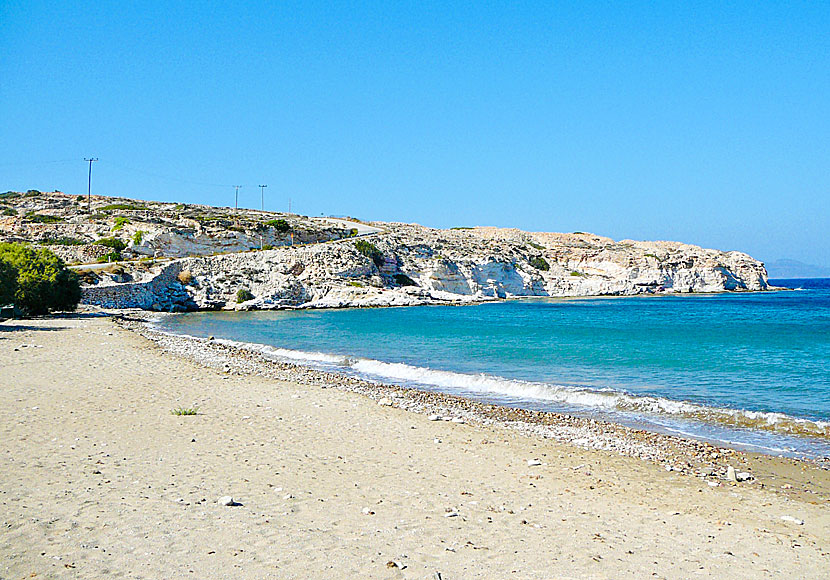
(717, 465)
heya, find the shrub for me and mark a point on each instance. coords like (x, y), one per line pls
(120, 222)
(121, 207)
(280, 225)
(42, 281)
(370, 250)
(43, 219)
(64, 241)
(243, 295)
(353, 232)
(185, 277)
(9, 211)
(540, 263)
(8, 283)
(9, 195)
(32, 193)
(138, 237)
(267, 247)
(404, 280)
(113, 243)
(580, 274)
(535, 245)
(182, 411)
(110, 257)
(355, 283)
(461, 228)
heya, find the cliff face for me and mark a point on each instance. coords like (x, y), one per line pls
(419, 265)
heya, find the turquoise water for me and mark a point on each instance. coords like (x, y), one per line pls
(751, 370)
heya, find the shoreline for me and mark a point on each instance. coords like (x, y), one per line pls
(707, 461)
(291, 473)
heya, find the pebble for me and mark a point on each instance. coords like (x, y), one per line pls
(458, 420)
(227, 500)
(367, 512)
(435, 417)
(385, 402)
(533, 462)
(744, 476)
(796, 521)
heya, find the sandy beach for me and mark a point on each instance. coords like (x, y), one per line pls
(99, 479)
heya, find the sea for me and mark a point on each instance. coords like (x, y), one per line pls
(747, 370)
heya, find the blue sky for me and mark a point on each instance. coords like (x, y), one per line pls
(702, 122)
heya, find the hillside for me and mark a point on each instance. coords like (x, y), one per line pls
(193, 256)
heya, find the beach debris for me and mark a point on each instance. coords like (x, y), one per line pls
(367, 512)
(227, 500)
(435, 417)
(713, 483)
(744, 476)
(730, 474)
(385, 402)
(793, 520)
(395, 564)
(436, 440)
(533, 462)
(437, 576)
(288, 496)
(451, 513)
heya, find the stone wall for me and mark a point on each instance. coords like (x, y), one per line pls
(162, 292)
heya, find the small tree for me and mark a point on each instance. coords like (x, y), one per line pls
(8, 283)
(43, 283)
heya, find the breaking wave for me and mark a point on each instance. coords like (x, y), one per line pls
(588, 399)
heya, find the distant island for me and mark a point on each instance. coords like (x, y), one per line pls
(790, 269)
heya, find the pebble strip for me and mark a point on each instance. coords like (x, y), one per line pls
(677, 454)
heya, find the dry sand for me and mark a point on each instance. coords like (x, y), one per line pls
(99, 479)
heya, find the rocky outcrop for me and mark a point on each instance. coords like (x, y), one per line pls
(409, 265)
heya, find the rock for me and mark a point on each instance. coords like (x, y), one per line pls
(227, 500)
(367, 512)
(431, 417)
(730, 474)
(458, 420)
(793, 520)
(385, 402)
(744, 476)
(533, 462)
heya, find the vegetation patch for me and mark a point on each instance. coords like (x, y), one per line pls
(36, 281)
(182, 411)
(540, 263)
(9, 195)
(355, 283)
(535, 245)
(280, 225)
(9, 211)
(371, 251)
(43, 219)
(138, 237)
(64, 241)
(579, 274)
(462, 228)
(120, 222)
(243, 295)
(122, 207)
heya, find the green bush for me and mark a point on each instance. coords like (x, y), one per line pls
(113, 243)
(137, 237)
(370, 250)
(121, 207)
(9, 211)
(243, 295)
(540, 263)
(43, 219)
(63, 241)
(8, 283)
(280, 225)
(9, 195)
(120, 222)
(404, 280)
(42, 283)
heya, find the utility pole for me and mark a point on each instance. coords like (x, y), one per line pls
(262, 197)
(236, 198)
(89, 184)
(289, 205)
